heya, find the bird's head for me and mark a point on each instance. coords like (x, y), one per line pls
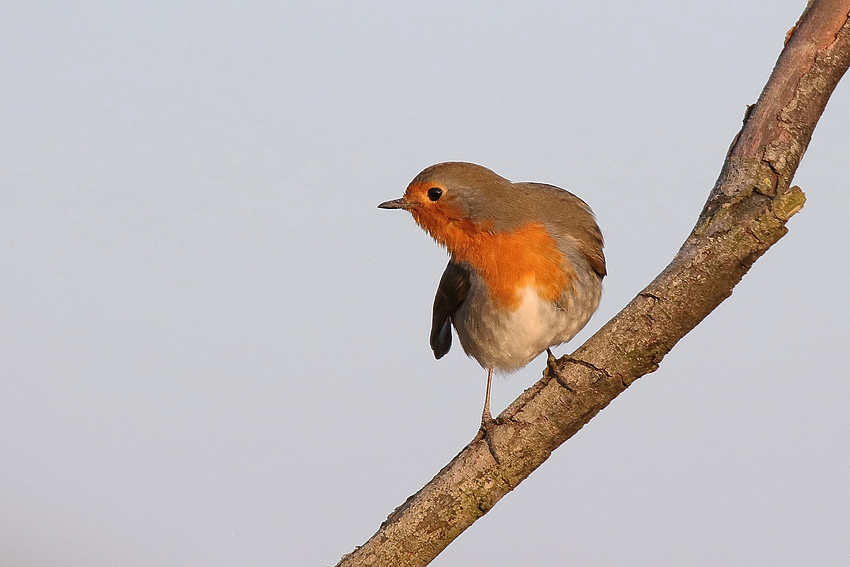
(453, 201)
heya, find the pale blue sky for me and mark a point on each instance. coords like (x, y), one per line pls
(214, 348)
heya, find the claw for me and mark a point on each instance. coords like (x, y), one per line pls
(486, 432)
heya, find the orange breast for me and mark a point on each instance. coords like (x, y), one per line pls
(506, 261)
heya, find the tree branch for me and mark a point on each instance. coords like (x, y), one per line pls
(745, 215)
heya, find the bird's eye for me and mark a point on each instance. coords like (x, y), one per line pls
(434, 193)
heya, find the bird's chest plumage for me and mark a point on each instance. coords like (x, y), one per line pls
(508, 262)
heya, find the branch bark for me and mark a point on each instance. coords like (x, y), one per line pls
(745, 214)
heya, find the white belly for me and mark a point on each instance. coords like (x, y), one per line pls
(508, 340)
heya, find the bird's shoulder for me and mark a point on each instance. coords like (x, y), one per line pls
(567, 218)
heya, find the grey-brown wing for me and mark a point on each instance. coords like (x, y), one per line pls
(454, 285)
(567, 215)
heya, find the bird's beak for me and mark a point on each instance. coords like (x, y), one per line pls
(396, 204)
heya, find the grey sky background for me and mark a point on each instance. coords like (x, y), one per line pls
(214, 348)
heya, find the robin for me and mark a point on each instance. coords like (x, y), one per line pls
(526, 264)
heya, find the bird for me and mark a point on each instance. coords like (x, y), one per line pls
(525, 269)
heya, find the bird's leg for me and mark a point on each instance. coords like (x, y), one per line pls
(487, 421)
(486, 417)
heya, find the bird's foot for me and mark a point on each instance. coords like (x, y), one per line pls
(488, 424)
(552, 369)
